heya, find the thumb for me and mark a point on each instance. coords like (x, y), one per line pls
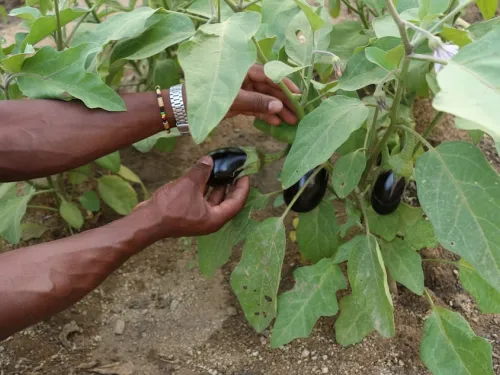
(200, 173)
(249, 101)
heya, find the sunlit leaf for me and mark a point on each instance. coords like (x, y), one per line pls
(276, 70)
(459, 37)
(488, 8)
(314, 19)
(460, 193)
(450, 346)
(255, 280)
(480, 29)
(118, 194)
(317, 232)
(71, 214)
(346, 36)
(320, 133)
(212, 86)
(277, 14)
(313, 296)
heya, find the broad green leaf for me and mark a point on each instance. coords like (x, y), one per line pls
(488, 8)
(283, 132)
(369, 308)
(346, 36)
(334, 8)
(202, 7)
(79, 175)
(460, 193)
(473, 74)
(432, 7)
(317, 232)
(402, 5)
(278, 201)
(215, 249)
(90, 201)
(487, 297)
(117, 27)
(266, 45)
(476, 136)
(46, 25)
(32, 231)
(118, 194)
(408, 216)
(312, 297)
(480, 29)
(404, 264)
(110, 162)
(343, 252)
(52, 74)
(71, 214)
(255, 280)
(28, 14)
(377, 5)
(494, 133)
(149, 143)
(360, 72)
(299, 44)
(128, 175)
(459, 37)
(388, 60)
(3, 15)
(415, 83)
(353, 218)
(277, 14)
(166, 74)
(45, 5)
(385, 226)
(166, 31)
(277, 71)
(385, 26)
(14, 62)
(355, 142)
(314, 19)
(212, 86)
(420, 235)
(347, 172)
(450, 346)
(320, 133)
(13, 208)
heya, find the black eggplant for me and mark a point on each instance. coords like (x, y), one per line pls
(312, 195)
(387, 193)
(227, 165)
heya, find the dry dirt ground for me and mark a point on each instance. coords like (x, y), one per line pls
(157, 315)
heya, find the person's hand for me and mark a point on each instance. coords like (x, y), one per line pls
(261, 97)
(179, 209)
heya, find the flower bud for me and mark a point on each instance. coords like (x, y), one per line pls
(443, 51)
(380, 99)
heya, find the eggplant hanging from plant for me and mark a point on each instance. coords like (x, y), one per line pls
(387, 193)
(312, 194)
(228, 163)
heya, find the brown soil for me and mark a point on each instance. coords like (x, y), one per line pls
(176, 322)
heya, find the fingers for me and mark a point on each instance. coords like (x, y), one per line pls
(256, 74)
(232, 205)
(288, 112)
(216, 196)
(200, 173)
(248, 101)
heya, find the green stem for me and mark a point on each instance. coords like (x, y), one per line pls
(362, 16)
(232, 5)
(94, 14)
(416, 135)
(362, 204)
(250, 4)
(420, 57)
(433, 124)
(218, 11)
(40, 192)
(309, 74)
(80, 21)
(59, 38)
(42, 208)
(136, 68)
(321, 96)
(399, 92)
(299, 193)
(193, 17)
(424, 32)
(401, 26)
(299, 110)
(429, 298)
(371, 131)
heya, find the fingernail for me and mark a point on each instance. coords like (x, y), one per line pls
(206, 160)
(275, 106)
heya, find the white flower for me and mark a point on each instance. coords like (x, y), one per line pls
(444, 52)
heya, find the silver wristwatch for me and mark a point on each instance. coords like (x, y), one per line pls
(180, 114)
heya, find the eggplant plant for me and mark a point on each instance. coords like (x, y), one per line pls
(356, 143)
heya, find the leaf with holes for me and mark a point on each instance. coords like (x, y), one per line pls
(255, 280)
(450, 346)
(460, 193)
(320, 133)
(347, 172)
(369, 308)
(312, 297)
(317, 232)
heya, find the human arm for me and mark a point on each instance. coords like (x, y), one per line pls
(45, 137)
(39, 281)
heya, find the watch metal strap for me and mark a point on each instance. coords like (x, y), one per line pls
(179, 110)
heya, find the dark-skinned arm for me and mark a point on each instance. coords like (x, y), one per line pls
(39, 281)
(39, 138)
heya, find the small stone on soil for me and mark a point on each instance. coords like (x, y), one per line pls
(305, 353)
(324, 370)
(119, 327)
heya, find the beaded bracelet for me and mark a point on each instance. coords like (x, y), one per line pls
(161, 104)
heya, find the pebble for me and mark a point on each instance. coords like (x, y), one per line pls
(324, 370)
(255, 354)
(173, 305)
(325, 357)
(315, 358)
(232, 311)
(305, 353)
(1, 349)
(119, 327)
